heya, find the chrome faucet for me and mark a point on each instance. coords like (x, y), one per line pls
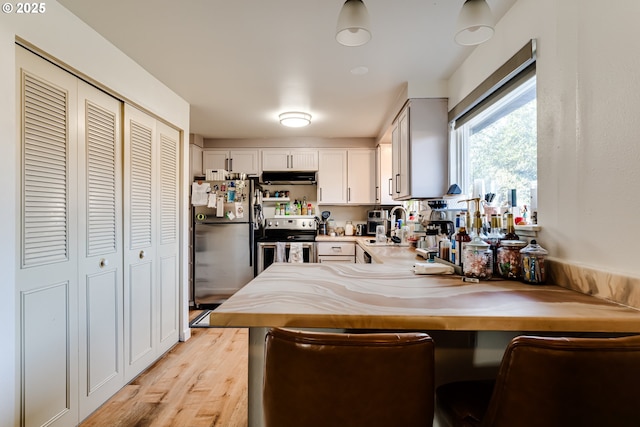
(392, 213)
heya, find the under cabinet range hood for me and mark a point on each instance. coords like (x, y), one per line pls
(287, 177)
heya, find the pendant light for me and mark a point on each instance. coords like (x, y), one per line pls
(353, 24)
(295, 119)
(475, 23)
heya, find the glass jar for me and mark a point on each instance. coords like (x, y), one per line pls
(478, 260)
(532, 258)
(508, 258)
(348, 229)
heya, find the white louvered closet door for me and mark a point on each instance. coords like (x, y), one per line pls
(101, 363)
(47, 277)
(140, 263)
(168, 249)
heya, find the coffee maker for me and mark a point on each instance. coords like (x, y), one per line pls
(376, 218)
(443, 215)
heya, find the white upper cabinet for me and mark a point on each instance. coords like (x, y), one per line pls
(419, 150)
(346, 176)
(384, 179)
(195, 164)
(240, 161)
(361, 172)
(278, 159)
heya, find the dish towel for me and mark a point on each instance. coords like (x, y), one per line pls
(431, 268)
(280, 255)
(200, 193)
(295, 252)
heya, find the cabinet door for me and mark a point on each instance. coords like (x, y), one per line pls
(361, 167)
(275, 160)
(244, 161)
(215, 159)
(46, 286)
(403, 186)
(332, 176)
(167, 237)
(384, 195)
(304, 160)
(195, 164)
(395, 160)
(139, 254)
(101, 329)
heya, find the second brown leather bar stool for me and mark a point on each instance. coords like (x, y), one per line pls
(551, 382)
(316, 379)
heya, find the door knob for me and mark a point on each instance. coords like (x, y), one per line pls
(104, 262)
(141, 254)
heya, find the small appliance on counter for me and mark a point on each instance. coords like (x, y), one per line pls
(322, 224)
(376, 218)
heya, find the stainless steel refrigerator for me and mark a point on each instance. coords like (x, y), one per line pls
(223, 242)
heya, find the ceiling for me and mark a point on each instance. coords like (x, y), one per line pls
(240, 63)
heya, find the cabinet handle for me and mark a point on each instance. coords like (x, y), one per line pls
(289, 161)
(349, 194)
(397, 181)
(336, 248)
(104, 262)
(391, 186)
(378, 194)
(141, 255)
(320, 194)
(230, 165)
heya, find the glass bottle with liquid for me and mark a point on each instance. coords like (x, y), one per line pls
(462, 238)
(511, 229)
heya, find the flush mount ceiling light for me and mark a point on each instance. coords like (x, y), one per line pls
(475, 23)
(353, 24)
(295, 119)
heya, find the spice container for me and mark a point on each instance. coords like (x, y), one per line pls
(508, 258)
(478, 260)
(533, 257)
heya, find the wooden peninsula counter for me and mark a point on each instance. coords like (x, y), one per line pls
(471, 322)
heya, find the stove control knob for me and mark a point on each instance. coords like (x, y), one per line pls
(304, 223)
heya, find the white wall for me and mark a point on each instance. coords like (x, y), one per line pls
(588, 137)
(63, 36)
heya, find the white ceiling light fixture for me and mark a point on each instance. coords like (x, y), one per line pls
(353, 24)
(295, 119)
(475, 23)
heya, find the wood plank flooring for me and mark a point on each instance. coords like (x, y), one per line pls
(200, 382)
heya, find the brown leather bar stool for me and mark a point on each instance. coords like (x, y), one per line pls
(551, 382)
(317, 379)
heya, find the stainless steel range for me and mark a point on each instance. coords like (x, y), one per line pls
(280, 233)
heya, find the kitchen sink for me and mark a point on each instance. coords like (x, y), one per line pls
(373, 242)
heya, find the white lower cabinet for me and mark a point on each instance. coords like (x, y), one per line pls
(344, 252)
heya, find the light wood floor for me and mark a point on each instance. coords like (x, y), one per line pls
(200, 382)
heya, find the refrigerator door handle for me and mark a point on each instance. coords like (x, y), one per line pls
(251, 244)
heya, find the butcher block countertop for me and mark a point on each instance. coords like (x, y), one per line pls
(390, 296)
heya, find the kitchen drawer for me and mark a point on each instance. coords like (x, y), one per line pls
(336, 248)
(349, 259)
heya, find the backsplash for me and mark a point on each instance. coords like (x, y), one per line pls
(610, 286)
